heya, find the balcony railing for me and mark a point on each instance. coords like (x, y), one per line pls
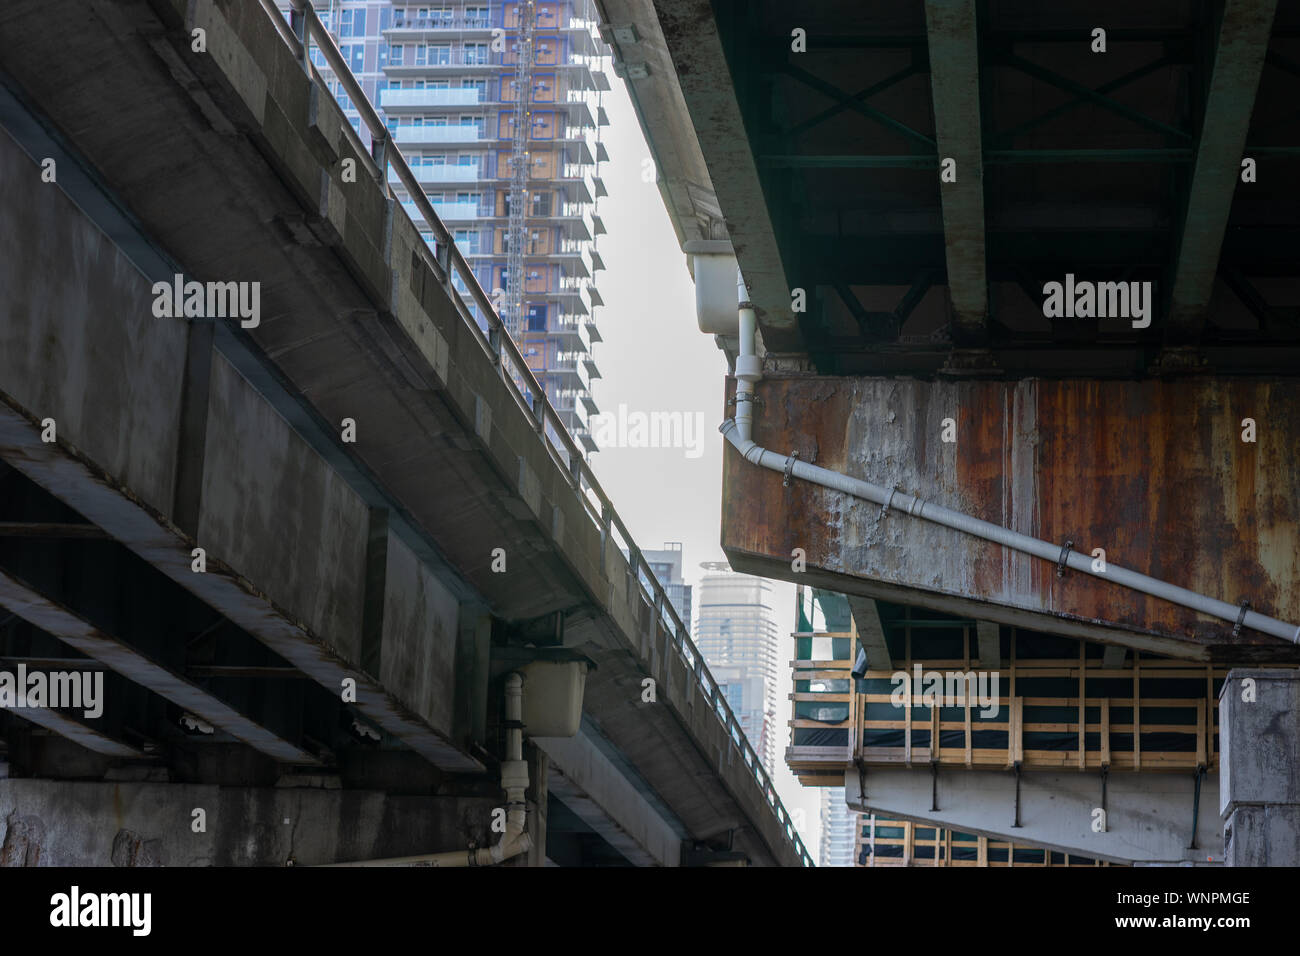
(441, 23)
(429, 96)
(454, 211)
(480, 319)
(418, 135)
(410, 61)
(442, 174)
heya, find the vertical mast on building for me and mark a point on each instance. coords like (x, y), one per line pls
(517, 233)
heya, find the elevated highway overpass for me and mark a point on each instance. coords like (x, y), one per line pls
(303, 544)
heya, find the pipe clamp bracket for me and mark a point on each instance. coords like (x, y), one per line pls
(1065, 554)
(884, 509)
(789, 468)
(1241, 617)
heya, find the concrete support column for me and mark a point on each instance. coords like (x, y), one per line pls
(1259, 775)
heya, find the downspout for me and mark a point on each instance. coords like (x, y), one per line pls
(749, 367)
(739, 432)
(514, 780)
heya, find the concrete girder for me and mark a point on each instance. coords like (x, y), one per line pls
(1148, 816)
(74, 730)
(955, 86)
(871, 633)
(161, 545)
(988, 635)
(46, 613)
(361, 321)
(709, 90)
(1238, 63)
(591, 786)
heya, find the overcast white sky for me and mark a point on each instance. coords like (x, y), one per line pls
(655, 359)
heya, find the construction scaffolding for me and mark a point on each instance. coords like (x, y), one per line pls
(517, 231)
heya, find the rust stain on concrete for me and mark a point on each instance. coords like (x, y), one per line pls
(1154, 472)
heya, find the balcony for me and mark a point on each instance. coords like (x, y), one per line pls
(400, 99)
(423, 135)
(576, 258)
(578, 220)
(445, 60)
(570, 331)
(578, 295)
(572, 410)
(446, 211)
(568, 366)
(441, 174)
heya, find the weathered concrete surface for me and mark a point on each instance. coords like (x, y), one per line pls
(83, 350)
(238, 184)
(593, 788)
(111, 377)
(419, 641)
(1154, 472)
(259, 477)
(1259, 732)
(1148, 817)
(62, 823)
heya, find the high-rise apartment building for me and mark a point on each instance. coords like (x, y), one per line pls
(667, 566)
(735, 630)
(838, 829)
(516, 179)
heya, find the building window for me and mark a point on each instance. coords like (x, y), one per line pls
(352, 23)
(541, 204)
(476, 53)
(395, 55)
(467, 241)
(537, 318)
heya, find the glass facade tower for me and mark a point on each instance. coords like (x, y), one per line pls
(735, 630)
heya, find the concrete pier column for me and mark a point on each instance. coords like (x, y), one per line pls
(1259, 772)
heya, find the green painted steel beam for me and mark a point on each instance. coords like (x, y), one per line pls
(1061, 82)
(848, 102)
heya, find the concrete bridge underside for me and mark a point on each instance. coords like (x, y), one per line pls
(368, 561)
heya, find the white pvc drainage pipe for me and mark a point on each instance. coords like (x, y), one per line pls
(897, 500)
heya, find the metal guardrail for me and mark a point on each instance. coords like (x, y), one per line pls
(454, 273)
